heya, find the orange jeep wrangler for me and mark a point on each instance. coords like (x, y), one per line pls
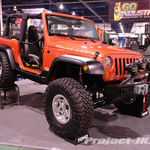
(64, 52)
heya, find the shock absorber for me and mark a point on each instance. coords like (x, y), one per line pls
(80, 75)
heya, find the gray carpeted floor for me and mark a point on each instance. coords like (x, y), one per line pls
(26, 126)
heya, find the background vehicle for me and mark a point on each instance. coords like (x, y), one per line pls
(82, 74)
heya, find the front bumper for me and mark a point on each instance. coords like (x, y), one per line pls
(130, 87)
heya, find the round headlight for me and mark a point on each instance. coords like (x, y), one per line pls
(107, 62)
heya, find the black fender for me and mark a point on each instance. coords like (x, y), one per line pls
(93, 66)
(8, 51)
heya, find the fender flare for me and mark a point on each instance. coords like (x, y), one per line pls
(8, 51)
(94, 66)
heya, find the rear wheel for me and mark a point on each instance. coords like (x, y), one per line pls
(134, 105)
(7, 75)
(68, 107)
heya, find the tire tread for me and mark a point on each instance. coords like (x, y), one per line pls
(8, 75)
(82, 105)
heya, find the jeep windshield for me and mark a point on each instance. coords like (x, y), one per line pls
(71, 27)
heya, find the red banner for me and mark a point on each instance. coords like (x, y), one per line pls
(129, 11)
(19, 20)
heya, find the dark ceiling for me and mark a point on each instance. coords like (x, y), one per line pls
(96, 10)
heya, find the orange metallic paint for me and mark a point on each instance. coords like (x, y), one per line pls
(15, 48)
(58, 46)
(64, 45)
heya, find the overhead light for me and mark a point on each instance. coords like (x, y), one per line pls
(81, 16)
(112, 32)
(73, 13)
(61, 6)
(121, 27)
(15, 8)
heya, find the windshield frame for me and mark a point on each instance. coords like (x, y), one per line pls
(71, 21)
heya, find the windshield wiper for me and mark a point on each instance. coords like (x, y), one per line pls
(93, 41)
(72, 38)
(85, 38)
(63, 35)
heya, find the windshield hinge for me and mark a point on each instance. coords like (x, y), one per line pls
(96, 55)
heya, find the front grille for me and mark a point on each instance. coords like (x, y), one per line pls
(120, 65)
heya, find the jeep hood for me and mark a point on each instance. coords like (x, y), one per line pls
(88, 47)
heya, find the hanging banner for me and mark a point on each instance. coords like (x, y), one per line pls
(35, 11)
(129, 11)
(100, 34)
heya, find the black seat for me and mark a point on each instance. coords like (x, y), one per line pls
(33, 37)
(34, 51)
(33, 54)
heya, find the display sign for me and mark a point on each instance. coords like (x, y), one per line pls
(87, 33)
(129, 11)
(35, 11)
(19, 20)
(100, 34)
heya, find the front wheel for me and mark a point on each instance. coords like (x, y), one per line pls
(68, 107)
(135, 107)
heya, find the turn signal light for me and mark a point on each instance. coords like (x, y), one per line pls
(85, 68)
(107, 74)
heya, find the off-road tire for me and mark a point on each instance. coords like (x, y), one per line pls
(7, 75)
(134, 108)
(81, 107)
